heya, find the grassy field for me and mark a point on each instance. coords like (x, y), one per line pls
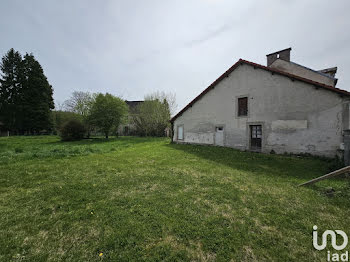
(144, 199)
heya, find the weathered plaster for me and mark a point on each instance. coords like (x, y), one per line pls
(296, 117)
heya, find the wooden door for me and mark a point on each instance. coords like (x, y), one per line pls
(255, 137)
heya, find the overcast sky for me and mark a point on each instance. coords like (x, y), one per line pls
(131, 48)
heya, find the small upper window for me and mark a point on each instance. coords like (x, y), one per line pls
(243, 106)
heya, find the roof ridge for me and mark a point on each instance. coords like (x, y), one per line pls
(239, 62)
(289, 74)
(315, 71)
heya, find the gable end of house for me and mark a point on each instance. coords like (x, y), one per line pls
(272, 70)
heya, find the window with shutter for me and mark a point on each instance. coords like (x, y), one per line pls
(243, 106)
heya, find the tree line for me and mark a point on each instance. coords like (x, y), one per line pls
(27, 106)
(105, 113)
(98, 112)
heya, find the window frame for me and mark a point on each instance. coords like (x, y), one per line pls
(237, 106)
(177, 132)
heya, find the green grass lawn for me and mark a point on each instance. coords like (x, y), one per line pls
(144, 199)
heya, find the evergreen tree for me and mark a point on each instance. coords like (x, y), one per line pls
(25, 94)
(10, 90)
(37, 93)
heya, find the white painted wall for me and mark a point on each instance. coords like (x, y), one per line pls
(296, 117)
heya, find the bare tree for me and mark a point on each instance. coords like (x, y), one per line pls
(59, 106)
(161, 96)
(80, 102)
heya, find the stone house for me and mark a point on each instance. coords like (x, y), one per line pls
(284, 107)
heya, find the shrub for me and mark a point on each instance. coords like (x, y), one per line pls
(72, 130)
(62, 117)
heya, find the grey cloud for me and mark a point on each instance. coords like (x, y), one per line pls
(131, 48)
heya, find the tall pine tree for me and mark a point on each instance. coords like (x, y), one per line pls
(38, 100)
(10, 90)
(25, 95)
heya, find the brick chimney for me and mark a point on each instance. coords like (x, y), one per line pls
(282, 54)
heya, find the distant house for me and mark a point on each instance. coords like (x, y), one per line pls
(128, 128)
(281, 107)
